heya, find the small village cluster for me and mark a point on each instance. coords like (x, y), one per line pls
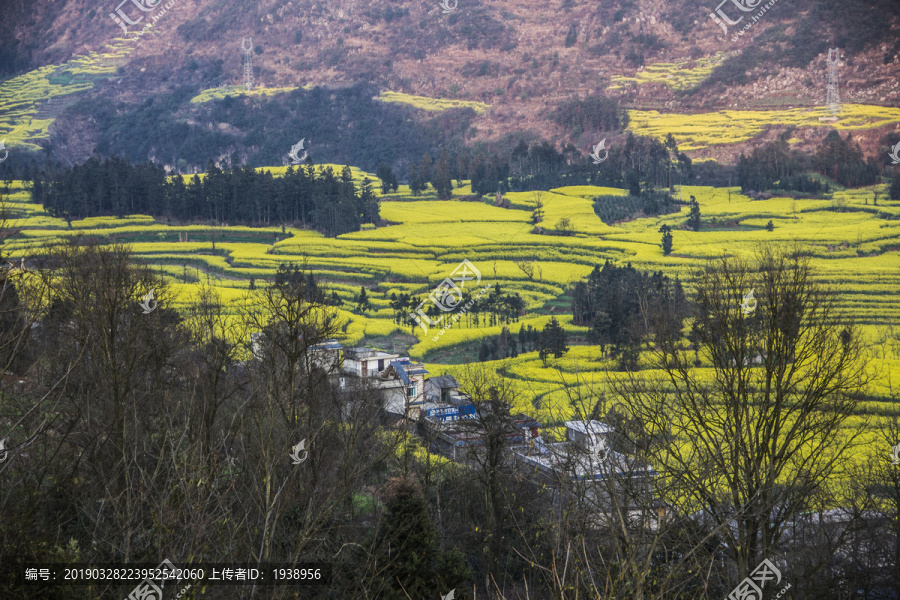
(451, 422)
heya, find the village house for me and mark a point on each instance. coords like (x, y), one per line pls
(367, 362)
(450, 421)
(403, 386)
(588, 455)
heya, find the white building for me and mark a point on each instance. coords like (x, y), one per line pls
(326, 355)
(588, 434)
(403, 383)
(366, 362)
(586, 454)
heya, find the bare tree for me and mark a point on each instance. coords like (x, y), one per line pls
(116, 415)
(749, 437)
(218, 340)
(526, 266)
(501, 493)
(538, 215)
(293, 497)
(612, 536)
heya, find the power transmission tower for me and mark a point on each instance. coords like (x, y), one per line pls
(833, 97)
(247, 60)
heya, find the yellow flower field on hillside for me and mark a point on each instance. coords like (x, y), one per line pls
(852, 244)
(697, 131)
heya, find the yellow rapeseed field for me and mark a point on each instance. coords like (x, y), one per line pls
(853, 247)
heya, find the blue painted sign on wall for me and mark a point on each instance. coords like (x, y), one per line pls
(452, 413)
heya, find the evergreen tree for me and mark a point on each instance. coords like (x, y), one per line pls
(362, 300)
(425, 164)
(409, 559)
(895, 187)
(416, 184)
(462, 168)
(634, 184)
(666, 239)
(572, 36)
(553, 340)
(440, 177)
(613, 302)
(842, 160)
(694, 218)
(387, 177)
(368, 202)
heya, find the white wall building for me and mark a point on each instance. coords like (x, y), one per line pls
(366, 362)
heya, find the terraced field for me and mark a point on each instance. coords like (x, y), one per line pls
(698, 131)
(679, 76)
(29, 103)
(431, 104)
(853, 243)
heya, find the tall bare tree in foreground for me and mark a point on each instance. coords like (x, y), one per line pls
(746, 439)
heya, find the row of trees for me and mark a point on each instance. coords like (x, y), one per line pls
(489, 310)
(437, 174)
(549, 341)
(307, 196)
(637, 163)
(775, 165)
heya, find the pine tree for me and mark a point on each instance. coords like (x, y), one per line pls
(666, 239)
(440, 178)
(416, 185)
(362, 300)
(369, 205)
(553, 341)
(425, 164)
(410, 562)
(694, 218)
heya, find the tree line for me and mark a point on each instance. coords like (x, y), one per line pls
(775, 166)
(551, 340)
(489, 310)
(305, 196)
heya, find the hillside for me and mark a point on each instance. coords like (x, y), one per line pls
(160, 93)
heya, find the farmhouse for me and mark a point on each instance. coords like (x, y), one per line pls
(367, 362)
(587, 456)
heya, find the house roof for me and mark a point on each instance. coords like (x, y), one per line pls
(328, 345)
(405, 369)
(565, 458)
(443, 381)
(589, 428)
(360, 353)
